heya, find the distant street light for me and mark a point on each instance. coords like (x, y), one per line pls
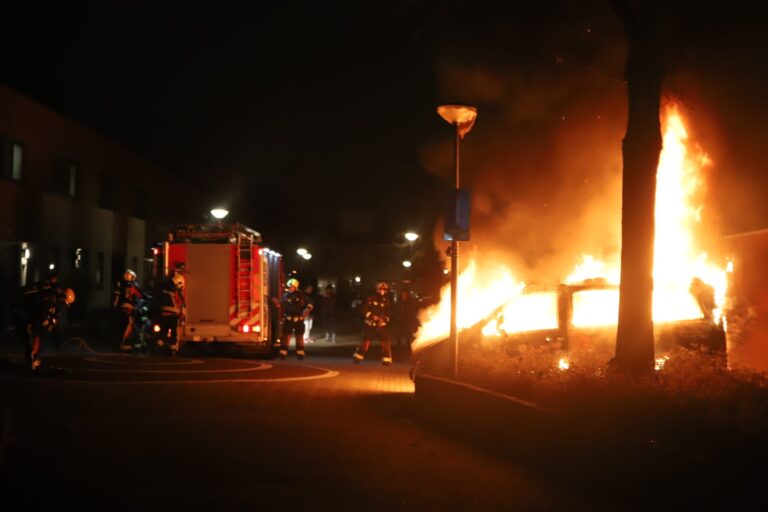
(411, 236)
(301, 251)
(357, 279)
(306, 256)
(463, 118)
(219, 213)
(407, 263)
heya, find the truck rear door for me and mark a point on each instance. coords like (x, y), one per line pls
(208, 289)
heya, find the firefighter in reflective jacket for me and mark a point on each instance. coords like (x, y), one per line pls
(171, 312)
(37, 314)
(296, 306)
(376, 318)
(125, 299)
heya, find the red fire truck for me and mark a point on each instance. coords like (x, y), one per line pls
(230, 280)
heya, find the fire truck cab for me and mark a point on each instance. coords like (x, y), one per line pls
(230, 280)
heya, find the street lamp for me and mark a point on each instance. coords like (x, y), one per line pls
(219, 213)
(407, 263)
(411, 236)
(463, 118)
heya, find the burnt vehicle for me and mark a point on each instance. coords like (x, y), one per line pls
(582, 316)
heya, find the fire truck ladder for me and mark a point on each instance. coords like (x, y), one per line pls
(244, 274)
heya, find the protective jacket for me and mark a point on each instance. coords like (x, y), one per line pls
(171, 301)
(294, 303)
(41, 302)
(126, 295)
(376, 312)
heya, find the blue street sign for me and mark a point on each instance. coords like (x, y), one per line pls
(456, 221)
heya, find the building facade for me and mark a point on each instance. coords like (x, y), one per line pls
(75, 203)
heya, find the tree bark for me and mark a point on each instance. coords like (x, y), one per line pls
(640, 151)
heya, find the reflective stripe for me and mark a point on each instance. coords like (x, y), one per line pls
(359, 357)
(386, 359)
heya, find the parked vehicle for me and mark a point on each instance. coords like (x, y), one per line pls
(230, 280)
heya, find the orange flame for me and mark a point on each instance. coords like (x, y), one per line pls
(677, 260)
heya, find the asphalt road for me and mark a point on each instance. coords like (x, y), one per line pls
(232, 432)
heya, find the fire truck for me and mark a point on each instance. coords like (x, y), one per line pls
(230, 281)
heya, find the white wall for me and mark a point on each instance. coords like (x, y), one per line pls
(55, 233)
(135, 245)
(100, 230)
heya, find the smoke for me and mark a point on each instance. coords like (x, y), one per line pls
(543, 163)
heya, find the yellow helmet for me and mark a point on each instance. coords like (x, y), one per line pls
(382, 287)
(292, 283)
(178, 280)
(129, 275)
(69, 296)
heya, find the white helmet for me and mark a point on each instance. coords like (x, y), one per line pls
(129, 275)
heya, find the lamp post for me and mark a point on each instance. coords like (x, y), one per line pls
(463, 118)
(219, 213)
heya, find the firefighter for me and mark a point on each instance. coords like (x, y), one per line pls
(296, 307)
(376, 317)
(38, 315)
(171, 312)
(126, 297)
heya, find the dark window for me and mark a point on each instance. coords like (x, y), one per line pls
(140, 203)
(66, 177)
(100, 270)
(109, 187)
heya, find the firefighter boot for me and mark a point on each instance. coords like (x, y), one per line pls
(361, 351)
(300, 354)
(283, 353)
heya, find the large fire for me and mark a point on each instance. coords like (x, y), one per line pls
(677, 261)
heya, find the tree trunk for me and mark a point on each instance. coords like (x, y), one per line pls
(641, 149)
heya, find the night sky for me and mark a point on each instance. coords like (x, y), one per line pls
(316, 121)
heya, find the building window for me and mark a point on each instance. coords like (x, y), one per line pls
(66, 177)
(80, 259)
(140, 203)
(11, 159)
(17, 160)
(109, 187)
